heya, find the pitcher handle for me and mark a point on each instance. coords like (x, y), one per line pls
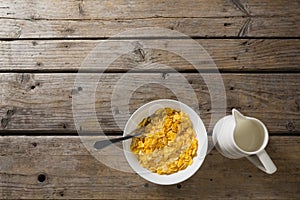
(263, 161)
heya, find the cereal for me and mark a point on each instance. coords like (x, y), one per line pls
(168, 143)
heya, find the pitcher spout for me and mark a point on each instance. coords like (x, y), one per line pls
(237, 115)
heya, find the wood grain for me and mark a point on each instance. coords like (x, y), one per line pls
(74, 9)
(43, 43)
(193, 27)
(75, 173)
(43, 102)
(85, 19)
(228, 55)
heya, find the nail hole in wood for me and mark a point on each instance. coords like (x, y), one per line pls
(79, 88)
(165, 75)
(39, 64)
(33, 87)
(146, 185)
(250, 176)
(231, 88)
(211, 179)
(179, 186)
(4, 122)
(227, 24)
(42, 178)
(34, 144)
(290, 126)
(10, 113)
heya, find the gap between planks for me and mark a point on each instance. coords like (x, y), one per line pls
(26, 133)
(151, 38)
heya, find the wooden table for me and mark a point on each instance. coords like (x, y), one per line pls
(255, 45)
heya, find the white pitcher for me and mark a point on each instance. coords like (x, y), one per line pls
(238, 136)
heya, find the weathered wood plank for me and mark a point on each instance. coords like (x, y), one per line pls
(12, 28)
(123, 9)
(194, 27)
(28, 19)
(228, 54)
(71, 172)
(43, 102)
(111, 9)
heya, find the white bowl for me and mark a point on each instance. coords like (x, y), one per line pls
(147, 110)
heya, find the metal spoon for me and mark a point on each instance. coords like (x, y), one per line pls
(104, 143)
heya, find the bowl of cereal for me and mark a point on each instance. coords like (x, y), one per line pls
(172, 145)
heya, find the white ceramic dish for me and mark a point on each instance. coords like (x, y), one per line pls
(147, 110)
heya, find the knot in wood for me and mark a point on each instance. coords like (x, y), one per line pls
(290, 126)
(139, 52)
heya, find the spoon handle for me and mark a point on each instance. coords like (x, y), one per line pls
(104, 143)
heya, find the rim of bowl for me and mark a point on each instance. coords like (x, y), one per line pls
(181, 175)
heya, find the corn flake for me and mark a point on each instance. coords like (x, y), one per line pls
(168, 143)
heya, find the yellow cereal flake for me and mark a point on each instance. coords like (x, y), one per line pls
(168, 143)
